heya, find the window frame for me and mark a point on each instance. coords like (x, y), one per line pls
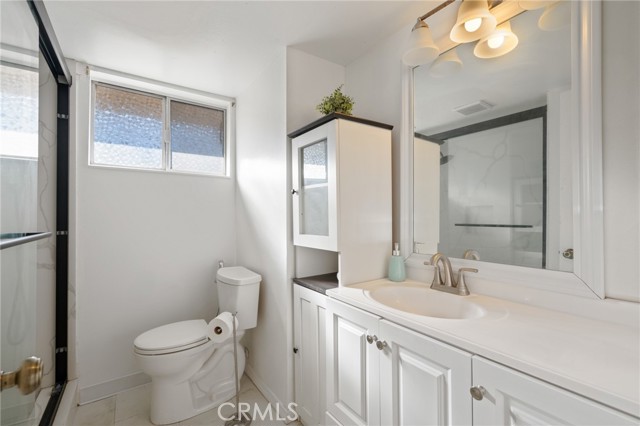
(167, 93)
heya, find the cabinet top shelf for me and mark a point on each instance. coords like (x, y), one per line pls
(319, 122)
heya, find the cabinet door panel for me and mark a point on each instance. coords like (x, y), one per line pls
(314, 182)
(352, 365)
(422, 381)
(309, 335)
(515, 399)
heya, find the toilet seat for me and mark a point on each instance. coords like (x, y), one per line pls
(170, 338)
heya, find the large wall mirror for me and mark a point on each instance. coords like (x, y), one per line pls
(503, 149)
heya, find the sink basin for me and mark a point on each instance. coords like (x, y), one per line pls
(421, 300)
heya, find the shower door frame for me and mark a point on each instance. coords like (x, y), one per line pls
(52, 53)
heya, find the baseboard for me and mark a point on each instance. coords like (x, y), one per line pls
(112, 387)
(68, 406)
(264, 389)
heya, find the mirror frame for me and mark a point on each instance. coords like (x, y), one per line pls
(587, 278)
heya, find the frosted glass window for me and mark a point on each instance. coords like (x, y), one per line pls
(197, 138)
(127, 128)
(314, 195)
(18, 112)
(314, 163)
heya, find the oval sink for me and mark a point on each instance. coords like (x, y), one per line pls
(421, 300)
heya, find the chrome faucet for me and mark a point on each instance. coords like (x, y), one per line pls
(471, 254)
(449, 284)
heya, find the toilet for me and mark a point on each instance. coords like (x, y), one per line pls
(190, 373)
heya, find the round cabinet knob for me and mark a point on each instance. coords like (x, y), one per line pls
(381, 344)
(371, 339)
(478, 392)
(568, 253)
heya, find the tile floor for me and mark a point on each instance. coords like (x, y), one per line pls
(131, 408)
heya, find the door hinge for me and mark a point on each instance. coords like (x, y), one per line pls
(63, 116)
(295, 350)
(61, 350)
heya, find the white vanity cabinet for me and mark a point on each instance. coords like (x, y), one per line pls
(341, 193)
(353, 391)
(422, 381)
(512, 398)
(379, 373)
(310, 348)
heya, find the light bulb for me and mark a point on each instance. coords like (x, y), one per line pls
(473, 24)
(495, 41)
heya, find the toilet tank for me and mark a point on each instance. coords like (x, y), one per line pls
(238, 291)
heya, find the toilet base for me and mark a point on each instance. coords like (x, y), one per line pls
(212, 385)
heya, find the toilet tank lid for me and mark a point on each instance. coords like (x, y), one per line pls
(237, 275)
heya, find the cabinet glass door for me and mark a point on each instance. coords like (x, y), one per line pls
(314, 189)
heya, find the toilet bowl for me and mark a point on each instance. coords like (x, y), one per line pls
(190, 373)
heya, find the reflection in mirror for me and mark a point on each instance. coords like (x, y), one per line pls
(492, 154)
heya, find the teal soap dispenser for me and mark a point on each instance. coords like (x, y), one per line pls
(396, 265)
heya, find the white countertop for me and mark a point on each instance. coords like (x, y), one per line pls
(594, 358)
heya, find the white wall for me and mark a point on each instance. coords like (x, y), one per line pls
(262, 224)
(309, 79)
(375, 81)
(621, 134)
(281, 100)
(147, 246)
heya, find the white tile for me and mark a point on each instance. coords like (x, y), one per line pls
(99, 413)
(131, 408)
(133, 402)
(208, 418)
(138, 420)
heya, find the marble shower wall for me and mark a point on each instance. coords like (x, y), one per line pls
(493, 180)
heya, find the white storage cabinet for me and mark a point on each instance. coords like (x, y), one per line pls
(341, 190)
(310, 350)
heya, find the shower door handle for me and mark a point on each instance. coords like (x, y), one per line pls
(27, 378)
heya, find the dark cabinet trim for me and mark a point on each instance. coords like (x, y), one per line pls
(327, 118)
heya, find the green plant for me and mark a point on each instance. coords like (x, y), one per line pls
(336, 102)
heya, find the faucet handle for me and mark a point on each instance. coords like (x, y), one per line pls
(437, 279)
(463, 290)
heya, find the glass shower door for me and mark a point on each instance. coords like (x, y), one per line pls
(19, 86)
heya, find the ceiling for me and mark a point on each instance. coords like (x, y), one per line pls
(221, 46)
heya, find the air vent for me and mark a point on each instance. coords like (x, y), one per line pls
(473, 108)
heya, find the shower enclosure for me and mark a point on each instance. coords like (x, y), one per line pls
(33, 206)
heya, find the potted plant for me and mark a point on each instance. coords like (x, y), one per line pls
(336, 102)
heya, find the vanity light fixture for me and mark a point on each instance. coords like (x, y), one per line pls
(498, 43)
(448, 63)
(555, 16)
(474, 22)
(422, 49)
(534, 4)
